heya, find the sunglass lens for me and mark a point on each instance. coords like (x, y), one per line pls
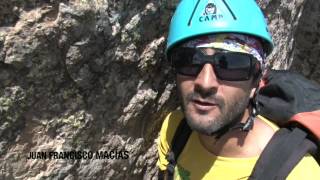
(182, 56)
(189, 70)
(233, 66)
(182, 61)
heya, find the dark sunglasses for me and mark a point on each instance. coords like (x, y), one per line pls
(229, 66)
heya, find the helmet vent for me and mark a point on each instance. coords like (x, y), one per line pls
(225, 3)
(194, 10)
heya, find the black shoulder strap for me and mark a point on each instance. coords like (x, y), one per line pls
(179, 140)
(285, 149)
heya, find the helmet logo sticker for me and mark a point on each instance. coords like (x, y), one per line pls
(210, 13)
(210, 9)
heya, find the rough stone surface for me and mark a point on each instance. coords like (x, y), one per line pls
(90, 76)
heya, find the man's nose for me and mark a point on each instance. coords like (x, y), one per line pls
(207, 80)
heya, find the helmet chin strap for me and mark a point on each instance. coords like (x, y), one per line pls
(245, 127)
(248, 125)
(253, 112)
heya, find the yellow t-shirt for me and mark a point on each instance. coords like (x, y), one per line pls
(195, 162)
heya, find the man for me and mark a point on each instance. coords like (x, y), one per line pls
(219, 57)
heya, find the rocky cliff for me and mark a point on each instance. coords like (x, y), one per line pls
(90, 75)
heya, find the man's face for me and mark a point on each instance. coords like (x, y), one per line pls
(209, 103)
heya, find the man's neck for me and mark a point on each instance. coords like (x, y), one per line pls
(237, 143)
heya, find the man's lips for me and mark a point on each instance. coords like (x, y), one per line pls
(203, 105)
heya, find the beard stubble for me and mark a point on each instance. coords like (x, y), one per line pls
(230, 112)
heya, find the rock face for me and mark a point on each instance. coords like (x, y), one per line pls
(295, 28)
(91, 76)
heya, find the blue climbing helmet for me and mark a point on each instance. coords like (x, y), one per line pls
(200, 17)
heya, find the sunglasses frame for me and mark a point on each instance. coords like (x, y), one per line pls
(254, 68)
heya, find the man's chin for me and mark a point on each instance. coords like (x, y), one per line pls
(202, 123)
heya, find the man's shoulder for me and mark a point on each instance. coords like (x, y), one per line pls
(174, 118)
(307, 168)
(170, 124)
(269, 122)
